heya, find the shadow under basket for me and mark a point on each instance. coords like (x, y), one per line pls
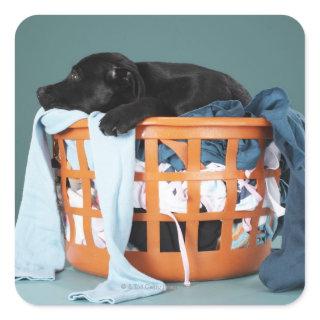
(204, 265)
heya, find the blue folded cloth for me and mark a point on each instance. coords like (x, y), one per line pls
(39, 239)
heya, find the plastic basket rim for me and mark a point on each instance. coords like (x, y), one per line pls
(192, 122)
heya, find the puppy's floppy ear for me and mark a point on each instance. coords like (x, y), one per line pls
(138, 83)
(128, 75)
(119, 74)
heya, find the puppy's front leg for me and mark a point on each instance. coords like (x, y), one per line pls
(125, 117)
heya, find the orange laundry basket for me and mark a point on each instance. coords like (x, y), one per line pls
(204, 265)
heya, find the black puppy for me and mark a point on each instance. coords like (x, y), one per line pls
(129, 92)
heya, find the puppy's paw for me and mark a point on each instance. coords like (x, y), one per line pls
(108, 125)
(115, 122)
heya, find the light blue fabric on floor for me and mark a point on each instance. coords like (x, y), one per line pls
(39, 239)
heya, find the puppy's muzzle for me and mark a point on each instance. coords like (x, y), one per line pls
(45, 97)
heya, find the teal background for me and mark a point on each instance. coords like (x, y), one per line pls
(259, 51)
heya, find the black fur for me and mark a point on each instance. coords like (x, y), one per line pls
(129, 92)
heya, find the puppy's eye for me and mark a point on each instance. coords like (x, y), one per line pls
(74, 76)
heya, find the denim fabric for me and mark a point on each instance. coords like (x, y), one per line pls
(288, 134)
(212, 150)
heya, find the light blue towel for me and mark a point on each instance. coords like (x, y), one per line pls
(39, 239)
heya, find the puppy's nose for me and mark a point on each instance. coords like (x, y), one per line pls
(41, 91)
(45, 97)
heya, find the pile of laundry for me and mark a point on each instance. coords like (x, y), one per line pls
(173, 198)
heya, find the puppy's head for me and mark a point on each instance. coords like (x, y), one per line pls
(98, 82)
